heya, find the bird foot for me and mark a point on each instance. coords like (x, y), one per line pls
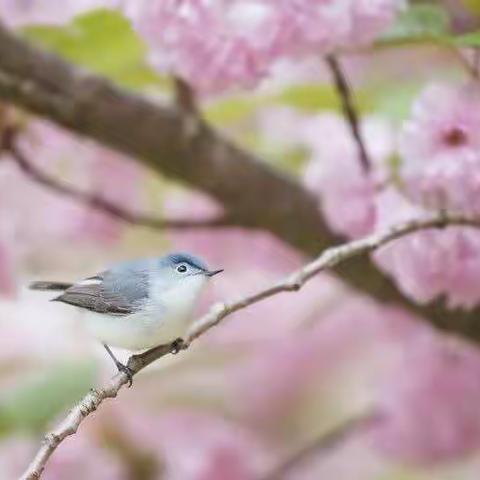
(127, 371)
(177, 345)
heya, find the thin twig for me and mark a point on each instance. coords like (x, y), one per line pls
(349, 109)
(329, 258)
(96, 201)
(321, 445)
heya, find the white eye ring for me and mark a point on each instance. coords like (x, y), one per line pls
(182, 268)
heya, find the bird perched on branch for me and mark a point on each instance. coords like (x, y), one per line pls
(138, 304)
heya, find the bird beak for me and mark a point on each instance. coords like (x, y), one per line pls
(213, 272)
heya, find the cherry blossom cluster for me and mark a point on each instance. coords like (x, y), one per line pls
(223, 44)
(18, 13)
(431, 163)
(217, 45)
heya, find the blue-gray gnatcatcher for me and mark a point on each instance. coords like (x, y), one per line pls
(138, 304)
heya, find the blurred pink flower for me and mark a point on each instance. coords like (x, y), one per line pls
(334, 360)
(83, 165)
(212, 44)
(429, 405)
(440, 148)
(371, 18)
(335, 174)
(77, 459)
(430, 263)
(320, 26)
(199, 446)
(18, 13)
(221, 44)
(15, 453)
(80, 457)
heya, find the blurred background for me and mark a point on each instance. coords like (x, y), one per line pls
(324, 383)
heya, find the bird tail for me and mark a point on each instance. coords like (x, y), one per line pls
(49, 286)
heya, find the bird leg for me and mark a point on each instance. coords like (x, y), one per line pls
(121, 367)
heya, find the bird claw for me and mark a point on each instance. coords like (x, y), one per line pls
(176, 346)
(127, 371)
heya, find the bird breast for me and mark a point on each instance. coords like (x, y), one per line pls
(176, 303)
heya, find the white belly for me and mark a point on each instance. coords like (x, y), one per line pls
(138, 331)
(163, 321)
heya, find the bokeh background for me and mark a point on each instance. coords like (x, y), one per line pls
(266, 386)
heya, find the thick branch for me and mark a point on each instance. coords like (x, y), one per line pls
(97, 202)
(349, 109)
(182, 146)
(328, 259)
(165, 138)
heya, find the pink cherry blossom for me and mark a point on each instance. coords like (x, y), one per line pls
(334, 172)
(322, 25)
(429, 405)
(79, 458)
(430, 263)
(83, 165)
(14, 453)
(199, 446)
(221, 44)
(17, 13)
(338, 351)
(371, 18)
(440, 148)
(216, 44)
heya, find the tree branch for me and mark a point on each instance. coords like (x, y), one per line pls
(328, 259)
(165, 139)
(162, 137)
(349, 109)
(7, 144)
(185, 97)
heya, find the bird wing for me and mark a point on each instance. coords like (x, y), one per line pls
(119, 291)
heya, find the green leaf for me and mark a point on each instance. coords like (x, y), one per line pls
(313, 97)
(32, 405)
(471, 39)
(102, 41)
(233, 109)
(424, 21)
(307, 97)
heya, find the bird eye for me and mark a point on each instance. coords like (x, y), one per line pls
(181, 269)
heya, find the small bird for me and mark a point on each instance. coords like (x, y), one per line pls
(137, 304)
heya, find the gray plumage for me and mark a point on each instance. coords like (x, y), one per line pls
(154, 298)
(121, 290)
